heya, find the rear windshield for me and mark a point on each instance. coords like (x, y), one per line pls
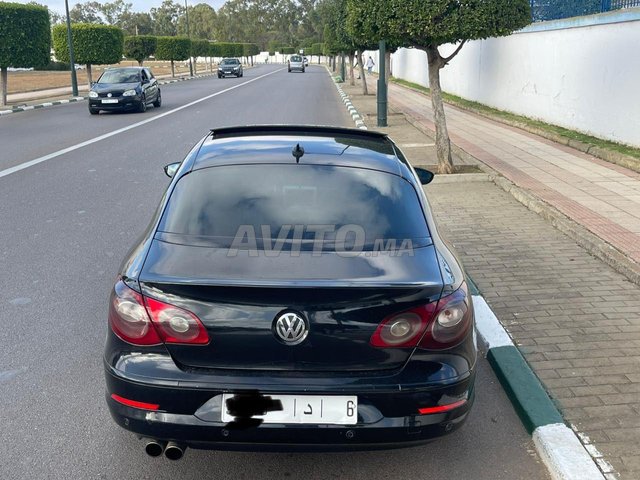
(230, 61)
(125, 75)
(314, 205)
(296, 59)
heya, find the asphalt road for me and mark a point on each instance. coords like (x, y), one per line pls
(65, 225)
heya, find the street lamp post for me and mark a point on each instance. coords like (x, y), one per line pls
(72, 60)
(186, 13)
(382, 86)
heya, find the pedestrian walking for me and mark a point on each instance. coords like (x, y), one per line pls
(370, 64)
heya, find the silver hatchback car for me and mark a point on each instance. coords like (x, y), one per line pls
(296, 62)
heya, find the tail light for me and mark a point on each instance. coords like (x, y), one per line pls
(128, 318)
(176, 325)
(436, 325)
(452, 320)
(144, 321)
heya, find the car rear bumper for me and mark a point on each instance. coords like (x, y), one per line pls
(385, 419)
(125, 103)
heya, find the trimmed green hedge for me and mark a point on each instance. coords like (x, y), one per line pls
(288, 50)
(317, 49)
(173, 48)
(250, 49)
(55, 66)
(25, 36)
(93, 44)
(227, 49)
(140, 47)
(200, 48)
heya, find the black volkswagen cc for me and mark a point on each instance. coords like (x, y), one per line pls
(127, 88)
(291, 293)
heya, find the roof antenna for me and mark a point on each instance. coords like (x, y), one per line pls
(297, 152)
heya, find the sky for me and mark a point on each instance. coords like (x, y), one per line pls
(138, 5)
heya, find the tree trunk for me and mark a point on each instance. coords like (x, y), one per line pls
(195, 65)
(173, 71)
(352, 75)
(387, 65)
(365, 90)
(140, 63)
(89, 76)
(443, 144)
(4, 74)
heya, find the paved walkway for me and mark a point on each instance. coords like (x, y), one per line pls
(575, 320)
(601, 196)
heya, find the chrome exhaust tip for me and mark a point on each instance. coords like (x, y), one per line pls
(153, 448)
(173, 451)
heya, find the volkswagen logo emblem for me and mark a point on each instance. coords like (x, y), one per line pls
(290, 328)
(109, 95)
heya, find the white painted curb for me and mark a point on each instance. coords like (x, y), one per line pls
(357, 118)
(491, 331)
(563, 454)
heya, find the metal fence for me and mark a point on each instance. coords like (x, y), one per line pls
(542, 10)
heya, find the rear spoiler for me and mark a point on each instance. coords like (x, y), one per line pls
(315, 130)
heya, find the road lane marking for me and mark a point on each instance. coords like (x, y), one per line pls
(36, 161)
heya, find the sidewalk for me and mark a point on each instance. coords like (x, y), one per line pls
(575, 320)
(602, 197)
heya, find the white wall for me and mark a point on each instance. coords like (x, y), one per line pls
(585, 78)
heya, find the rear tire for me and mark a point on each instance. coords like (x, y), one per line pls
(158, 102)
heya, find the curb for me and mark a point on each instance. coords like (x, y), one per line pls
(82, 98)
(357, 118)
(559, 447)
(607, 155)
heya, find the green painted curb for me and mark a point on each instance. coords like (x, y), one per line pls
(528, 396)
(473, 288)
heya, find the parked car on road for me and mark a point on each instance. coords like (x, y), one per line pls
(296, 63)
(230, 66)
(125, 88)
(292, 292)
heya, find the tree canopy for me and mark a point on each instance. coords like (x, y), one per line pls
(429, 24)
(17, 48)
(92, 44)
(140, 47)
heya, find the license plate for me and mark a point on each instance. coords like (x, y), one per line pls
(307, 409)
(110, 100)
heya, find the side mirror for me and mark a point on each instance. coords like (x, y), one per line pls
(424, 175)
(171, 169)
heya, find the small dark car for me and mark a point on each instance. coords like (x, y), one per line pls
(128, 88)
(230, 66)
(291, 293)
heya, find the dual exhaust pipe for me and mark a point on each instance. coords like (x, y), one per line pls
(171, 450)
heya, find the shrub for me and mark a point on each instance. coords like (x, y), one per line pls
(25, 39)
(173, 48)
(140, 47)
